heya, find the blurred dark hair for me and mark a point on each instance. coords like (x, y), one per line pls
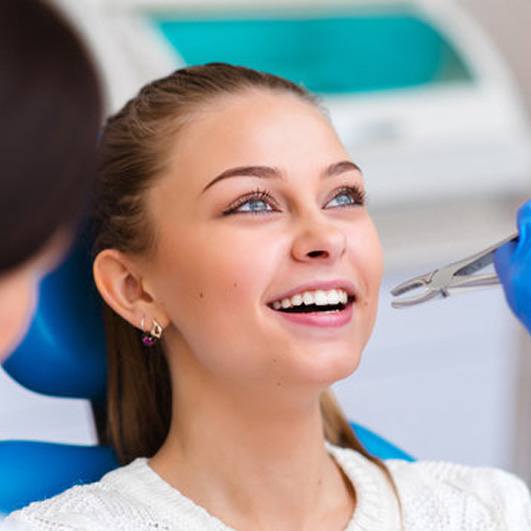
(50, 109)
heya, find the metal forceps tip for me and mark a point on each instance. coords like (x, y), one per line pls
(452, 277)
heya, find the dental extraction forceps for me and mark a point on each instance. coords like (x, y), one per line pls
(452, 277)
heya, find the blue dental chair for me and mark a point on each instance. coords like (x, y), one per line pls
(63, 354)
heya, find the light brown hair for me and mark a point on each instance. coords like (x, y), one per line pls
(133, 154)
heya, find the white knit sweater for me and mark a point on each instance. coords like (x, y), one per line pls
(435, 496)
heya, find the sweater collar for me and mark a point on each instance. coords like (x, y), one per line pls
(375, 501)
(376, 505)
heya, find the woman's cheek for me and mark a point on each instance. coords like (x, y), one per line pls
(367, 263)
(213, 281)
(373, 261)
(377, 267)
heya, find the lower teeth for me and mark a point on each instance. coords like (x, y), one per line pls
(314, 309)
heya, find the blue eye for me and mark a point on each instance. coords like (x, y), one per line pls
(254, 209)
(357, 196)
(255, 198)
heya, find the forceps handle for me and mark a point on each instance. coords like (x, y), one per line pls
(483, 259)
(474, 281)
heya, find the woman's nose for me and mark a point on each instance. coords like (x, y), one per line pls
(319, 239)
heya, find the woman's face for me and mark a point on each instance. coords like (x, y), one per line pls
(223, 254)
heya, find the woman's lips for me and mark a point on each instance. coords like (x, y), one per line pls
(329, 319)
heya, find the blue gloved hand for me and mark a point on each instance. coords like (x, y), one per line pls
(513, 265)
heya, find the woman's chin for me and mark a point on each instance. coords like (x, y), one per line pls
(325, 367)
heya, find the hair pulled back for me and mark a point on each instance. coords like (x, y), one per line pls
(132, 156)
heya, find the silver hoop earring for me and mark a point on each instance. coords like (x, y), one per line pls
(150, 338)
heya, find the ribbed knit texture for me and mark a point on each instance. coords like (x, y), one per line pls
(435, 496)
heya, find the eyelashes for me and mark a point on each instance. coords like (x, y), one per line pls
(258, 195)
(358, 196)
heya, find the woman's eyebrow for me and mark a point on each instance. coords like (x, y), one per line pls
(268, 172)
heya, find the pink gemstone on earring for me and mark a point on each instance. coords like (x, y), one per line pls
(148, 340)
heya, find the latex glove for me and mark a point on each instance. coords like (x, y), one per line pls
(513, 265)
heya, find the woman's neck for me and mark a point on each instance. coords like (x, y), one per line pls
(254, 466)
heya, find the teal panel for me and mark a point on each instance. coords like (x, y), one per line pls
(335, 54)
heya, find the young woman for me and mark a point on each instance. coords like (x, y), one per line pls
(51, 111)
(241, 272)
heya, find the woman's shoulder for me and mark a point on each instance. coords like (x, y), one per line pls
(105, 504)
(440, 495)
(79, 507)
(462, 477)
(462, 492)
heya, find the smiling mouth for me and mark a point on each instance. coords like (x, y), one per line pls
(316, 308)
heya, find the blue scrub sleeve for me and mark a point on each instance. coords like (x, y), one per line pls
(513, 265)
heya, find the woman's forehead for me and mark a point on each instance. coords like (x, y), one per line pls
(255, 128)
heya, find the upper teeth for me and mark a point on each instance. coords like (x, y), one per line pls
(318, 297)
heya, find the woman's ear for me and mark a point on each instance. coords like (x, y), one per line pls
(120, 284)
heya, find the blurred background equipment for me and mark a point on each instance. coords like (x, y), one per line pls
(419, 95)
(428, 106)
